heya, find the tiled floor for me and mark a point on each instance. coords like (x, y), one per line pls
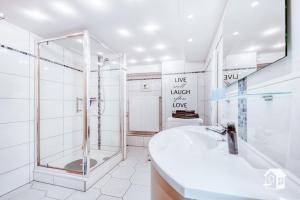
(130, 180)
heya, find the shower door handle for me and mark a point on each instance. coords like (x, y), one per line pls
(78, 100)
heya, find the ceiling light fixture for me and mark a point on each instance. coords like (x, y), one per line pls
(132, 61)
(149, 59)
(279, 46)
(2, 16)
(151, 28)
(139, 49)
(99, 53)
(235, 33)
(190, 40)
(166, 58)
(97, 4)
(80, 41)
(190, 16)
(271, 31)
(124, 32)
(253, 48)
(37, 15)
(254, 4)
(160, 46)
(63, 8)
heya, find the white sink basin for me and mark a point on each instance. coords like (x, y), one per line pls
(196, 163)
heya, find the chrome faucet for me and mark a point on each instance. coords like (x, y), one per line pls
(231, 136)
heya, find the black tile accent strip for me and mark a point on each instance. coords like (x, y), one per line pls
(34, 56)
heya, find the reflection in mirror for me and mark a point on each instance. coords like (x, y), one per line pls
(254, 35)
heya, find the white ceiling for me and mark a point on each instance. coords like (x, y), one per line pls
(105, 18)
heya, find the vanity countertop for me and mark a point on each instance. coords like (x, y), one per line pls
(196, 163)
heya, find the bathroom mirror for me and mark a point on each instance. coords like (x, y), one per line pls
(254, 36)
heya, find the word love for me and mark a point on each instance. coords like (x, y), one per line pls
(179, 105)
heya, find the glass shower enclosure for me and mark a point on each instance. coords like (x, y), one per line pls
(80, 89)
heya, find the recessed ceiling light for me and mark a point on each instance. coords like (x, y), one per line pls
(2, 16)
(97, 4)
(63, 8)
(80, 41)
(190, 40)
(253, 48)
(254, 4)
(166, 58)
(149, 59)
(190, 16)
(37, 15)
(160, 46)
(124, 32)
(271, 31)
(139, 49)
(100, 53)
(151, 28)
(132, 61)
(279, 46)
(114, 62)
(235, 33)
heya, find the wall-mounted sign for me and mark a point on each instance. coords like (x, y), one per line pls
(181, 92)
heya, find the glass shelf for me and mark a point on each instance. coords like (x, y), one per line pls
(268, 96)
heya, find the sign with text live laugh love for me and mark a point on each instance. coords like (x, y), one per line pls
(181, 92)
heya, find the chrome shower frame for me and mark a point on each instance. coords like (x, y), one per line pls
(86, 103)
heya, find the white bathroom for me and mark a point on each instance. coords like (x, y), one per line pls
(149, 99)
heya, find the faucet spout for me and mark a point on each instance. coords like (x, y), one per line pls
(232, 138)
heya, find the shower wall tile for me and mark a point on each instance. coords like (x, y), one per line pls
(14, 87)
(51, 109)
(12, 134)
(51, 127)
(14, 179)
(51, 90)
(72, 124)
(14, 157)
(14, 63)
(51, 72)
(14, 110)
(13, 36)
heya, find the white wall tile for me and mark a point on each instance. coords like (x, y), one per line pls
(14, 157)
(14, 63)
(14, 86)
(14, 110)
(13, 134)
(14, 179)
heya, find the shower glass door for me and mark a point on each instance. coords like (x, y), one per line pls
(79, 87)
(61, 92)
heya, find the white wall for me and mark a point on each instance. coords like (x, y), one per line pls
(139, 69)
(17, 108)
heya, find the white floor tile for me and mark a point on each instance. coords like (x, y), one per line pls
(104, 197)
(141, 178)
(115, 187)
(102, 181)
(30, 194)
(92, 194)
(122, 172)
(130, 180)
(129, 162)
(138, 192)
(53, 191)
